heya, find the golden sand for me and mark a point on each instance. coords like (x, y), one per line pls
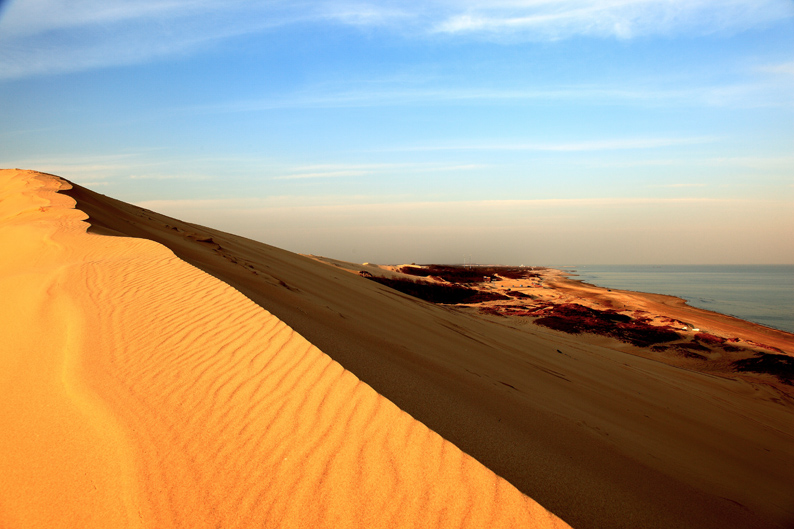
(139, 391)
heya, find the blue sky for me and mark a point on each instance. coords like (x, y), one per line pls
(517, 132)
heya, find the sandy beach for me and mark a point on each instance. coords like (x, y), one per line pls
(158, 373)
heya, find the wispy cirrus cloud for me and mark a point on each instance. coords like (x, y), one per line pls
(168, 176)
(616, 144)
(95, 166)
(443, 92)
(551, 20)
(786, 68)
(321, 174)
(369, 170)
(51, 36)
(551, 17)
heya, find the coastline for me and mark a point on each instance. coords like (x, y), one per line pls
(760, 294)
(681, 309)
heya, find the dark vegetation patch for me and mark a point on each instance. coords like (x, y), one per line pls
(574, 319)
(438, 293)
(781, 366)
(729, 348)
(688, 350)
(709, 338)
(464, 274)
(690, 354)
(493, 311)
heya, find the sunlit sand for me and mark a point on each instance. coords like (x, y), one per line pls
(139, 391)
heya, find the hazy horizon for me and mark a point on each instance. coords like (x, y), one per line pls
(514, 132)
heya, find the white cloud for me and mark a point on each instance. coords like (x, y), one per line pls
(581, 146)
(765, 163)
(753, 162)
(364, 14)
(322, 174)
(367, 169)
(97, 166)
(744, 95)
(52, 36)
(168, 176)
(786, 68)
(550, 20)
(37, 17)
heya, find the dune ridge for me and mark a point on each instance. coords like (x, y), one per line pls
(142, 392)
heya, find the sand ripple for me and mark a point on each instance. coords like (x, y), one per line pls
(156, 395)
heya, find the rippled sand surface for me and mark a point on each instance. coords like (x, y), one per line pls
(139, 391)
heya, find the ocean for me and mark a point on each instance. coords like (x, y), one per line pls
(759, 293)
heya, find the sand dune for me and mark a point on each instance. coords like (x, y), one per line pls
(602, 437)
(139, 391)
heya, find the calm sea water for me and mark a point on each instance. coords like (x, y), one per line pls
(762, 294)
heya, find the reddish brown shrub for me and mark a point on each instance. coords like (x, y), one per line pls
(574, 318)
(709, 338)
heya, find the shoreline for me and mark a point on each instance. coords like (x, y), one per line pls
(679, 303)
(576, 273)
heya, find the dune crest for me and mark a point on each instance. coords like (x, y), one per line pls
(142, 392)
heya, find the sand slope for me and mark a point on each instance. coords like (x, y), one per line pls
(603, 438)
(139, 391)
